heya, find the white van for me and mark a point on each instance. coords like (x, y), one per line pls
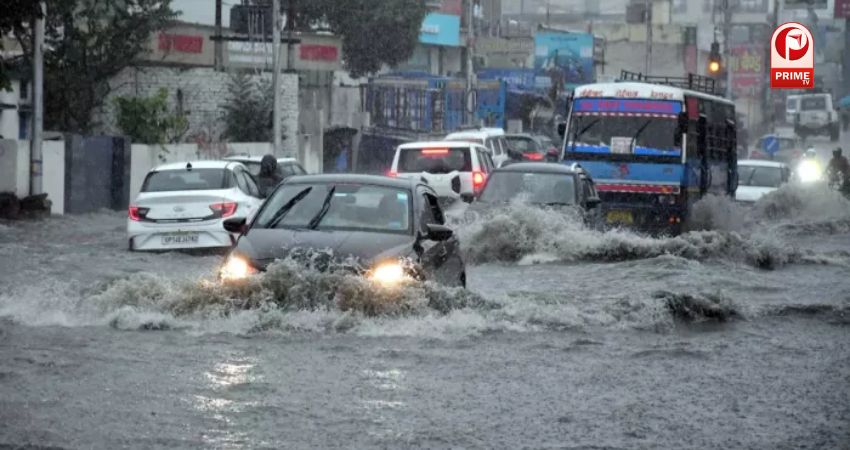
(792, 107)
(453, 169)
(491, 138)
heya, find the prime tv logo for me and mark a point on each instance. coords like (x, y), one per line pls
(792, 57)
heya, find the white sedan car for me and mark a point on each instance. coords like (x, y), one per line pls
(758, 177)
(184, 205)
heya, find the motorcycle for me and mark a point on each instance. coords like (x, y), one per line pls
(840, 184)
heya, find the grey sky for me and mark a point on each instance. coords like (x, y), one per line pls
(202, 11)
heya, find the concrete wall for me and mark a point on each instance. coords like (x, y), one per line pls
(10, 101)
(15, 170)
(204, 92)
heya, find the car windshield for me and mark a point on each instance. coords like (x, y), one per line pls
(616, 132)
(434, 160)
(530, 187)
(523, 144)
(759, 176)
(353, 207)
(185, 180)
(813, 103)
(791, 104)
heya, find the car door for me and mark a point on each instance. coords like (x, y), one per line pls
(441, 259)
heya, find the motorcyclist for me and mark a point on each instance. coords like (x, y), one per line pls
(838, 170)
(269, 176)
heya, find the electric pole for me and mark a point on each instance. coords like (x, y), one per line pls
(470, 71)
(219, 55)
(37, 101)
(276, 150)
(648, 17)
(727, 49)
(290, 28)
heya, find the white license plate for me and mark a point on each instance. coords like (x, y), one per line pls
(180, 238)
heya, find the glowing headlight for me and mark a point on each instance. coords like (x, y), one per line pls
(809, 171)
(236, 268)
(388, 273)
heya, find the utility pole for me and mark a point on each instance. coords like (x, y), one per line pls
(219, 54)
(276, 77)
(290, 28)
(648, 18)
(37, 102)
(470, 71)
(727, 50)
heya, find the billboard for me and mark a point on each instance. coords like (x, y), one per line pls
(747, 63)
(440, 29)
(563, 56)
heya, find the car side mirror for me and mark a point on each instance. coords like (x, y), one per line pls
(467, 198)
(236, 225)
(438, 232)
(592, 202)
(562, 129)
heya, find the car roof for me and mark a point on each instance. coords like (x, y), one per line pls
(253, 159)
(375, 180)
(476, 133)
(541, 167)
(206, 164)
(761, 163)
(439, 144)
(520, 135)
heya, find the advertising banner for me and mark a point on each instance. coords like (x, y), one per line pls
(563, 56)
(747, 63)
(440, 29)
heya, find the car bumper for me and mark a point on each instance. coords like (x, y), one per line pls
(184, 235)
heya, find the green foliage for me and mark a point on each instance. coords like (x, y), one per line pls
(88, 42)
(148, 120)
(248, 111)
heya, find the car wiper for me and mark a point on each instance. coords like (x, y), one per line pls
(279, 215)
(579, 133)
(326, 205)
(639, 131)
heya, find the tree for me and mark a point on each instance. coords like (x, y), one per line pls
(148, 120)
(88, 42)
(248, 110)
(16, 15)
(373, 32)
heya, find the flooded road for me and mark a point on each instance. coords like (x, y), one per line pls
(733, 337)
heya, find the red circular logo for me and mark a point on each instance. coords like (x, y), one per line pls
(787, 51)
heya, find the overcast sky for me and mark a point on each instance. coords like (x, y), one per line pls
(203, 11)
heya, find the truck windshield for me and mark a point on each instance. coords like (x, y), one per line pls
(613, 134)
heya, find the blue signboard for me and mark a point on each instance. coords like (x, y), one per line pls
(518, 79)
(770, 144)
(564, 56)
(440, 29)
(627, 106)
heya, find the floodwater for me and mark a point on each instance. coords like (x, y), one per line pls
(733, 337)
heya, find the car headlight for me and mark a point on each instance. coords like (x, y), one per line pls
(389, 274)
(236, 268)
(809, 171)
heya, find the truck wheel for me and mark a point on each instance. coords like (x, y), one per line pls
(834, 133)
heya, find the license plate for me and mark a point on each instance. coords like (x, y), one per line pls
(180, 238)
(620, 217)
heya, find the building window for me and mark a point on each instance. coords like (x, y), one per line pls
(680, 6)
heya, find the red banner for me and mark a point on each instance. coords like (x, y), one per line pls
(842, 9)
(182, 43)
(747, 63)
(317, 52)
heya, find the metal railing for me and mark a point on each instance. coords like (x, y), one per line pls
(693, 81)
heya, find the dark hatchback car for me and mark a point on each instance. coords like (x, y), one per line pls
(392, 228)
(544, 184)
(533, 147)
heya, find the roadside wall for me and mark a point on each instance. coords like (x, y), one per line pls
(15, 170)
(200, 94)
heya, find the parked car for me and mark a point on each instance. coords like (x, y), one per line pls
(388, 229)
(543, 184)
(183, 205)
(493, 139)
(286, 167)
(533, 147)
(817, 116)
(453, 169)
(758, 177)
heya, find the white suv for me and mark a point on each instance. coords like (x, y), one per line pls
(453, 169)
(817, 116)
(491, 138)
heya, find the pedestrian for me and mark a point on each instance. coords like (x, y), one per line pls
(269, 176)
